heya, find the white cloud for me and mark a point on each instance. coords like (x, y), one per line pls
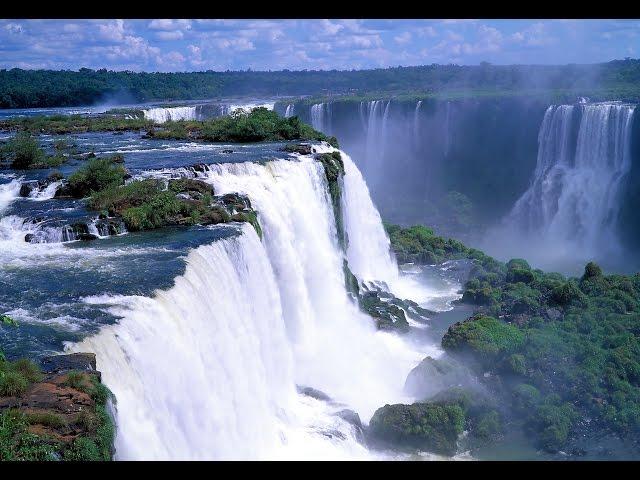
(14, 28)
(428, 31)
(235, 44)
(168, 25)
(170, 35)
(403, 38)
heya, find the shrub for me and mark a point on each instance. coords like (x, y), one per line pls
(96, 175)
(12, 384)
(77, 380)
(485, 336)
(28, 369)
(591, 270)
(22, 151)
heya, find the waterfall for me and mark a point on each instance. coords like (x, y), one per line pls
(447, 129)
(368, 247)
(247, 107)
(321, 117)
(208, 369)
(289, 111)
(161, 115)
(375, 139)
(9, 192)
(46, 193)
(573, 200)
(416, 121)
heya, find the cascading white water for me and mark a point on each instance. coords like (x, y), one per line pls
(208, 369)
(248, 107)
(46, 193)
(289, 111)
(416, 121)
(375, 139)
(572, 204)
(9, 192)
(321, 117)
(162, 115)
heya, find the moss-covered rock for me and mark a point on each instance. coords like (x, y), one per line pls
(487, 337)
(433, 427)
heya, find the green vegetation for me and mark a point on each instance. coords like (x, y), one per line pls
(429, 426)
(69, 124)
(92, 428)
(15, 377)
(259, 125)
(145, 205)
(96, 175)
(49, 88)
(565, 348)
(7, 320)
(418, 244)
(21, 152)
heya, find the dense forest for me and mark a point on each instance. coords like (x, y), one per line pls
(48, 88)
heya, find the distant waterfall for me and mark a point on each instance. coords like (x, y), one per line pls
(416, 121)
(208, 369)
(162, 115)
(377, 114)
(321, 117)
(447, 130)
(573, 198)
(289, 111)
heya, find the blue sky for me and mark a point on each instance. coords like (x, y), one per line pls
(188, 45)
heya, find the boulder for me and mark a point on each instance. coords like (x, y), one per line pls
(71, 361)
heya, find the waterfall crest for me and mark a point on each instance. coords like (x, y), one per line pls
(162, 115)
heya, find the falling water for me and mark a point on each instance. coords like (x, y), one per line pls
(572, 204)
(289, 111)
(8, 193)
(162, 115)
(209, 368)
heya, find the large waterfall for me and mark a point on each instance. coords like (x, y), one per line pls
(209, 368)
(571, 207)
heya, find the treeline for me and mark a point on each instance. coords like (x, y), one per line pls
(50, 88)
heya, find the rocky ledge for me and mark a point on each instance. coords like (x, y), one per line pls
(54, 411)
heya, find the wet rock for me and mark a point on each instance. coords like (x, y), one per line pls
(227, 150)
(29, 237)
(353, 418)
(86, 237)
(300, 148)
(71, 361)
(199, 167)
(313, 393)
(432, 375)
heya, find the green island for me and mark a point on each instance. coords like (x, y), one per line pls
(258, 125)
(556, 357)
